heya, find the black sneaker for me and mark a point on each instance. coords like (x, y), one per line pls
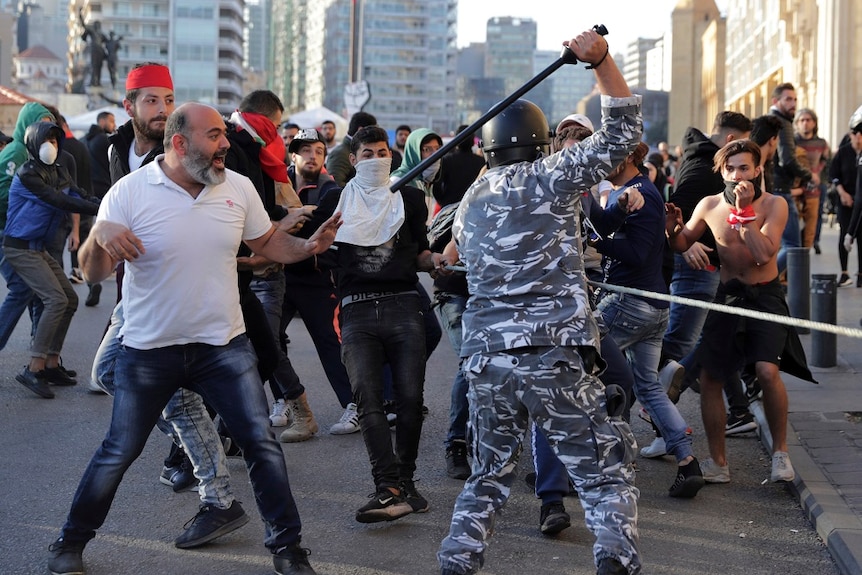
(414, 499)
(530, 479)
(93, 297)
(35, 382)
(457, 466)
(66, 557)
(845, 281)
(179, 477)
(384, 506)
(553, 518)
(59, 376)
(752, 389)
(740, 424)
(611, 566)
(211, 523)
(689, 480)
(292, 561)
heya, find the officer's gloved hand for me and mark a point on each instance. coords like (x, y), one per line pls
(616, 400)
(848, 242)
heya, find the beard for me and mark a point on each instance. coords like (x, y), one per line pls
(201, 168)
(309, 174)
(153, 134)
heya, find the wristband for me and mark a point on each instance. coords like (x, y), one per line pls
(739, 217)
(599, 63)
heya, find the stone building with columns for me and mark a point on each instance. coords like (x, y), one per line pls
(734, 61)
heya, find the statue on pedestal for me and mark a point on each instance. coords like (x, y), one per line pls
(112, 47)
(96, 41)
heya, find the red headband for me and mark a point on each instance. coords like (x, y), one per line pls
(151, 76)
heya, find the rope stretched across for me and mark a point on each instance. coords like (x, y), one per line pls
(754, 314)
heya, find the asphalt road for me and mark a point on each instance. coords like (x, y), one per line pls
(747, 527)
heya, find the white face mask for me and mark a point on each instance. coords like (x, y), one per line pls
(47, 153)
(373, 173)
(430, 172)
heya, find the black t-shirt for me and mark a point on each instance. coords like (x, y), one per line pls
(390, 267)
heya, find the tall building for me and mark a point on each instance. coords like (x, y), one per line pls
(514, 42)
(690, 21)
(43, 23)
(635, 66)
(404, 50)
(200, 40)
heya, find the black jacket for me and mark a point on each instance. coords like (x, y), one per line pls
(100, 167)
(122, 141)
(787, 168)
(696, 179)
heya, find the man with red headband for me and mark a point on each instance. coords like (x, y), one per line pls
(149, 100)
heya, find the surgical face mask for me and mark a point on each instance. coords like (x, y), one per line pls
(429, 173)
(47, 153)
(373, 173)
(730, 186)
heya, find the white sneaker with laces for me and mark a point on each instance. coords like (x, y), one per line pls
(713, 473)
(349, 422)
(670, 377)
(655, 449)
(782, 469)
(279, 416)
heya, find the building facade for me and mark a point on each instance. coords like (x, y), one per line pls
(200, 40)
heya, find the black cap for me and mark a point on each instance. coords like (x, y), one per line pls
(4, 139)
(305, 136)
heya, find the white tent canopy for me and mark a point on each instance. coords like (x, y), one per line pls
(82, 122)
(314, 117)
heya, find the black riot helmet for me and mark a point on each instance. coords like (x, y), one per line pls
(519, 133)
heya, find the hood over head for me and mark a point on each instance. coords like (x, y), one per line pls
(36, 135)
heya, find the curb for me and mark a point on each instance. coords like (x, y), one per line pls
(821, 501)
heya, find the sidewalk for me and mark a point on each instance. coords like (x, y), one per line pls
(825, 426)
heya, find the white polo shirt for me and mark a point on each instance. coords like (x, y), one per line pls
(184, 288)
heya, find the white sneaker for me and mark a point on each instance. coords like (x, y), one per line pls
(94, 387)
(670, 377)
(782, 469)
(279, 416)
(655, 449)
(349, 422)
(713, 473)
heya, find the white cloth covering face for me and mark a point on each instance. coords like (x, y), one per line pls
(372, 214)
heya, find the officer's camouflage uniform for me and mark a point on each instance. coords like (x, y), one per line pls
(526, 319)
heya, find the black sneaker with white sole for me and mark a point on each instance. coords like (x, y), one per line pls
(384, 506)
(740, 424)
(414, 499)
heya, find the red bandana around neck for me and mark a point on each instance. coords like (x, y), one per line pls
(272, 152)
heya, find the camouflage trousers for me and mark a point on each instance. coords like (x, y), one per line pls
(548, 385)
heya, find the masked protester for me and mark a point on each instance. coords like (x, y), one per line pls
(40, 192)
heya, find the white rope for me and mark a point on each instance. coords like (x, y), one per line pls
(754, 314)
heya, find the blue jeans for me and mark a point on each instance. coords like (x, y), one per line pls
(375, 332)
(637, 327)
(184, 419)
(791, 237)
(449, 309)
(685, 322)
(226, 376)
(18, 297)
(269, 290)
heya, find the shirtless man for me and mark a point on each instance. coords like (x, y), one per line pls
(747, 224)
